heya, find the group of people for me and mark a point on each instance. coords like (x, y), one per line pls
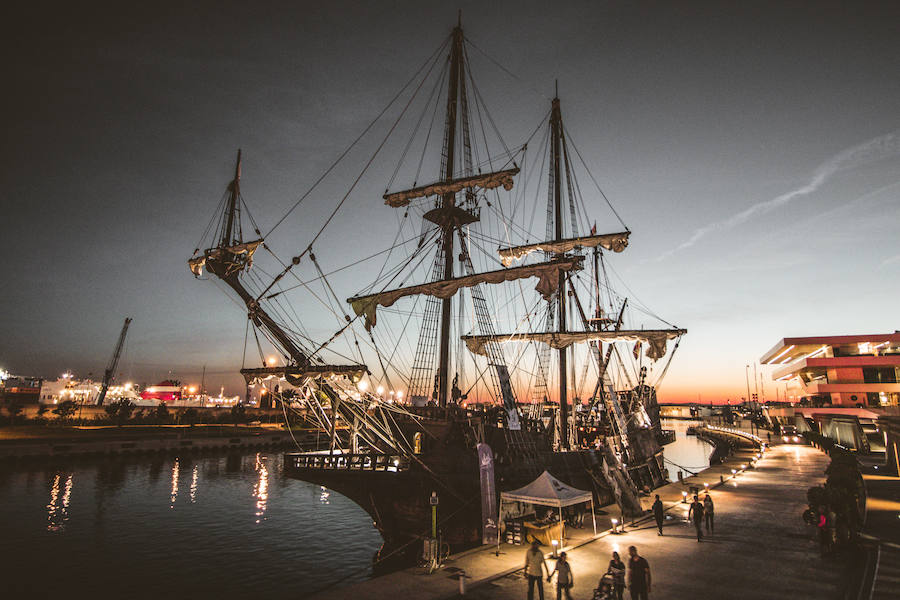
(637, 575)
(825, 520)
(697, 513)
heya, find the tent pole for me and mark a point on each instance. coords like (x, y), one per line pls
(593, 516)
(562, 529)
(499, 514)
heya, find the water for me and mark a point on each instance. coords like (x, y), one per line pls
(687, 452)
(210, 526)
(225, 526)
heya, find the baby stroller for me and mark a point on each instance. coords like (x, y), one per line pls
(604, 590)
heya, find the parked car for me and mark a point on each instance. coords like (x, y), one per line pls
(789, 434)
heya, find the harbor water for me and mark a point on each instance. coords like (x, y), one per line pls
(231, 526)
(193, 526)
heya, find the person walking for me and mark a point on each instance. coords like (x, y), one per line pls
(659, 514)
(709, 512)
(638, 575)
(696, 510)
(564, 578)
(831, 525)
(617, 570)
(534, 570)
(822, 526)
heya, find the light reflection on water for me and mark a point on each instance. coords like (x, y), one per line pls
(237, 529)
(58, 509)
(194, 485)
(174, 494)
(261, 488)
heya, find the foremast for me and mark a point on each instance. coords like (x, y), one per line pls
(228, 260)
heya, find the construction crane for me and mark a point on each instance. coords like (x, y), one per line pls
(113, 363)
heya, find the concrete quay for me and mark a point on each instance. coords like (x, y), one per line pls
(86, 441)
(762, 549)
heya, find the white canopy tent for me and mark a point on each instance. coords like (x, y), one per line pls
(547, 490)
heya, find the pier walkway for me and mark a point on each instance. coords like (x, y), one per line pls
(762, 548)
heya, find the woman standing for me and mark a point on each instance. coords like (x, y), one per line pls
(617, 570)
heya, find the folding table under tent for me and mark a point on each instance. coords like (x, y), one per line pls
(547, 490)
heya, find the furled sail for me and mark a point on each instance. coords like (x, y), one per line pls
(297, 374)
(656, 338)
(488, 181)
(240, 255)
(615, 242)
(546, 272)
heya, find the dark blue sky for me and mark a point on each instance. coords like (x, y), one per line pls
(751, 147)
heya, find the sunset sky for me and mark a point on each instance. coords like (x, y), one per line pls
(752, 148)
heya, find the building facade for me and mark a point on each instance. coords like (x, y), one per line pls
(840, 370)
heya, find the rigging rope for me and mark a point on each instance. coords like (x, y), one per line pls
(591, 175)
(361, 135)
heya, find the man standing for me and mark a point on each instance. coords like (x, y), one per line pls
(696, 510)
(709, 512)
(659, 514)
(535, 567)
(638, 575)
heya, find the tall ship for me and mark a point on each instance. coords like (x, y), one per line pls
(491, 334)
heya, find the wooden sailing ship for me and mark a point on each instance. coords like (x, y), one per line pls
(390, 454)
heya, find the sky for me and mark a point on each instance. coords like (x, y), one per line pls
(752, 148)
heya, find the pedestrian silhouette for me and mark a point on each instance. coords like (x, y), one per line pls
(534, 569)
(696, 510)
(564, 577)
(709, 513)
(638, 575)
(659, 514)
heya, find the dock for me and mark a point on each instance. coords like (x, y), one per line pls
(16, 444)
(762, 548)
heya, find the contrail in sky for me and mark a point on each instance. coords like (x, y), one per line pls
(875, 149)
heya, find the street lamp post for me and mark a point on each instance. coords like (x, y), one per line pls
(747, 373)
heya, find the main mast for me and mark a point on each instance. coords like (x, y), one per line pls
(448, 202)
(556, 141)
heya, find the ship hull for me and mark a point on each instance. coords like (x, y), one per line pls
(395, 492)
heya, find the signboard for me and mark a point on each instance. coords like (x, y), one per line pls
(490, 530)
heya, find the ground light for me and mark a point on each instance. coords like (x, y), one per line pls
(684, 495)
(555, 547)
(615, 525)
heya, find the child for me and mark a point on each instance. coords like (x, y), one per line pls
(564, 579)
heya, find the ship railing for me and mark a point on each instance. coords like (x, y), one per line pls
(348, 462)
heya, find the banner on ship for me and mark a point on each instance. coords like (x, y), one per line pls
(490, 528)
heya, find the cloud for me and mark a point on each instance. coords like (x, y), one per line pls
(872, 150)
(890, 261)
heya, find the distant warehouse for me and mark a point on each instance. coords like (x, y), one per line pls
(839, 370)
